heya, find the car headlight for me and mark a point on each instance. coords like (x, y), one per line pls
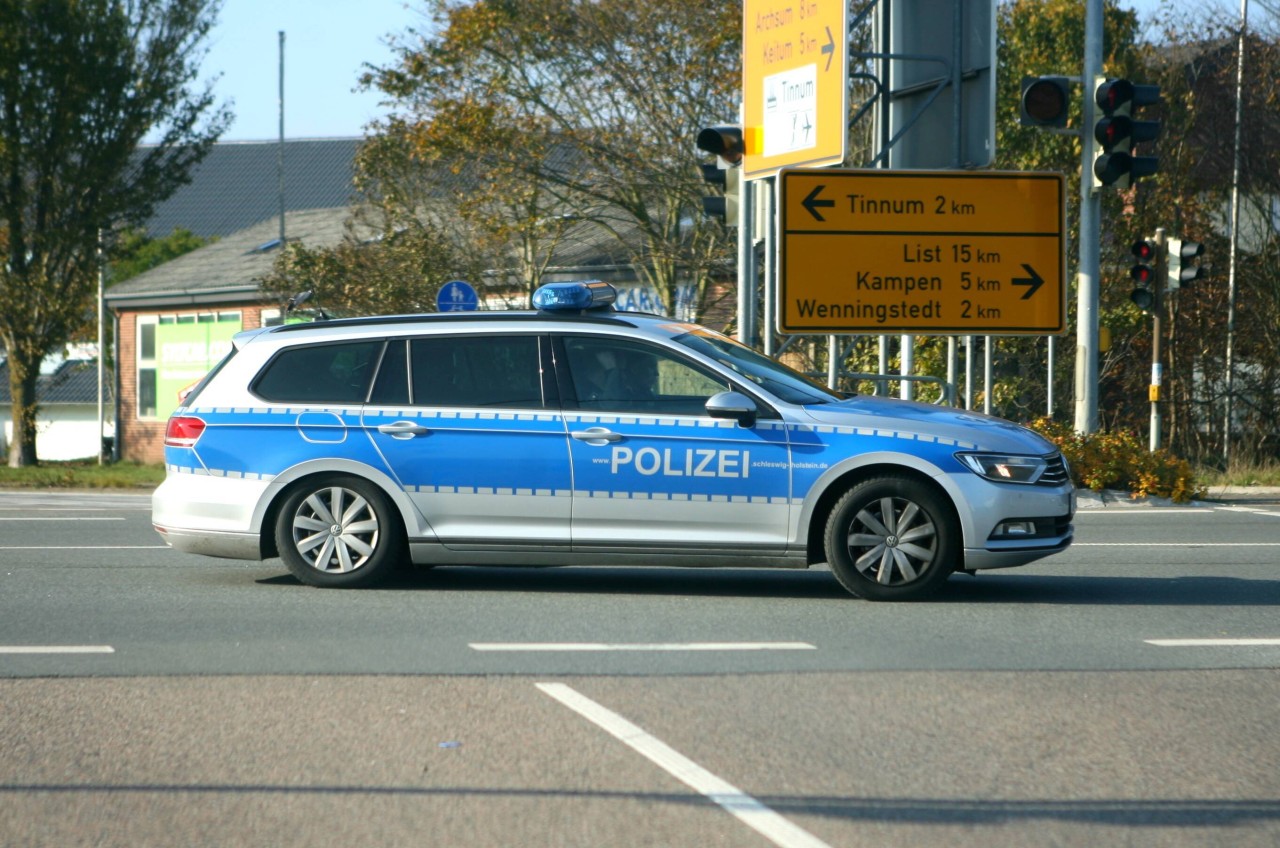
(1004, 468)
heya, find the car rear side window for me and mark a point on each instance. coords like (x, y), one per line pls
(323, 373)
(502, 371)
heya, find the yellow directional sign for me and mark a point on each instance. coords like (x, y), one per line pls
(795, 72)
(940, 252)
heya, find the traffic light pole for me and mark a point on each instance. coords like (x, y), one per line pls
(747, 270)
(1157, 314)
(1088, 287)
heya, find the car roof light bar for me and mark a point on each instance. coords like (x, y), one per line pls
(575, 297)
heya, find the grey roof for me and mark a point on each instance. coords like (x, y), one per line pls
(229, 269)
(237, 185)
(75, 382)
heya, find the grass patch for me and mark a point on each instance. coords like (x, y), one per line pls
(82, 474)
(1266, 473)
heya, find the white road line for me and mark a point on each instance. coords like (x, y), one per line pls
(1175, 544)
(734, 801)
(1251, 510)
(602, 646)
(1213, 643)
(57, 649)
(1174, 512)
(66, 518)
(84, 547)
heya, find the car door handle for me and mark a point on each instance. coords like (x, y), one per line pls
(403, 429)
(596, 436)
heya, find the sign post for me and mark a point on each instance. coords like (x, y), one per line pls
(937, 252)
(795, 73)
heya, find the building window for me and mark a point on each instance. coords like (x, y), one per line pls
(175, 351)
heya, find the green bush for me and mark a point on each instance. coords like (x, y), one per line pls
(1120, 461)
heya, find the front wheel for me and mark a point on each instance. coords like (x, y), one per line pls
(891, 539)
(339, 531)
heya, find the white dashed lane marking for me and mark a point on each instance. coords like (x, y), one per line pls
(604, 646)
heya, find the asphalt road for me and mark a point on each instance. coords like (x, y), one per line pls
(1123, 693)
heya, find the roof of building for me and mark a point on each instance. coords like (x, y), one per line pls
(74, 382)
(229, 269)
(237, 185)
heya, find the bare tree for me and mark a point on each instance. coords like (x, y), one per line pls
(582, 110)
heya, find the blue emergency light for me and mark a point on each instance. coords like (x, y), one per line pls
(574, 297)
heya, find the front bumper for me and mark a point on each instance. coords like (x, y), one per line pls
(990, 504)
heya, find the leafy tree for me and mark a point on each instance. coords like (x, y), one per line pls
(135, 251)
(82, 82)
(1046, 37)
(1195, 66)
(574, 110)
(380, 267)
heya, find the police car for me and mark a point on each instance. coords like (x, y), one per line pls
(575, 434)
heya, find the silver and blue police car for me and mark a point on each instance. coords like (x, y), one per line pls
(575, 434)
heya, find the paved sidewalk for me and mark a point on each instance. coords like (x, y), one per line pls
(1109, 498)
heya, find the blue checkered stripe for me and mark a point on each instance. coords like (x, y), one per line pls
(258, 443)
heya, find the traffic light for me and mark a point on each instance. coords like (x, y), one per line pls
(1143, 274)
(1116, 132)
(728, 146)
(724, 206)
(1180, 263)
(1044, 101)
(724, 142)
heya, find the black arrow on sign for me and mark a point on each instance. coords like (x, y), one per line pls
(829, 50)
(1033, 283)
(812, 203)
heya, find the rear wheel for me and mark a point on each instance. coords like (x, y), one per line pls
(892, 539)
(339, 531)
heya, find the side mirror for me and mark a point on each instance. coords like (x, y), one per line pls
(733, 405)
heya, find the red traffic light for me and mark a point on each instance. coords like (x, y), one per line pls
(1144, 249)
(1113, 94)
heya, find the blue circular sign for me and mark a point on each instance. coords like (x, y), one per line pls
(457, 296)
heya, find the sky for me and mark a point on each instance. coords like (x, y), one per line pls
(326, 44)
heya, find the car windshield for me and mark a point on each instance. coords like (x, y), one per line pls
(776, 378)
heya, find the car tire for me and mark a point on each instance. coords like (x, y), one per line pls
(892, 539)
(339, 532)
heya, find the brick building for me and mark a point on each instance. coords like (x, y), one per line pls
(174, 322)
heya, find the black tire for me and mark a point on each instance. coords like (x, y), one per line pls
(892, 539)
(358, 546)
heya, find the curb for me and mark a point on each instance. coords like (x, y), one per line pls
(1112, 498)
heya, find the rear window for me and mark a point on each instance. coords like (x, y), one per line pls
(329, 374)
(190, 397)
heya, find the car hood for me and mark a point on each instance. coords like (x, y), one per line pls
(968, 429)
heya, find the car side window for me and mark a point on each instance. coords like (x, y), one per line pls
(322, 373)
(607, 373)
(489, 370)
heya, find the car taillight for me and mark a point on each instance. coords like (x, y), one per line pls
(183, 431)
